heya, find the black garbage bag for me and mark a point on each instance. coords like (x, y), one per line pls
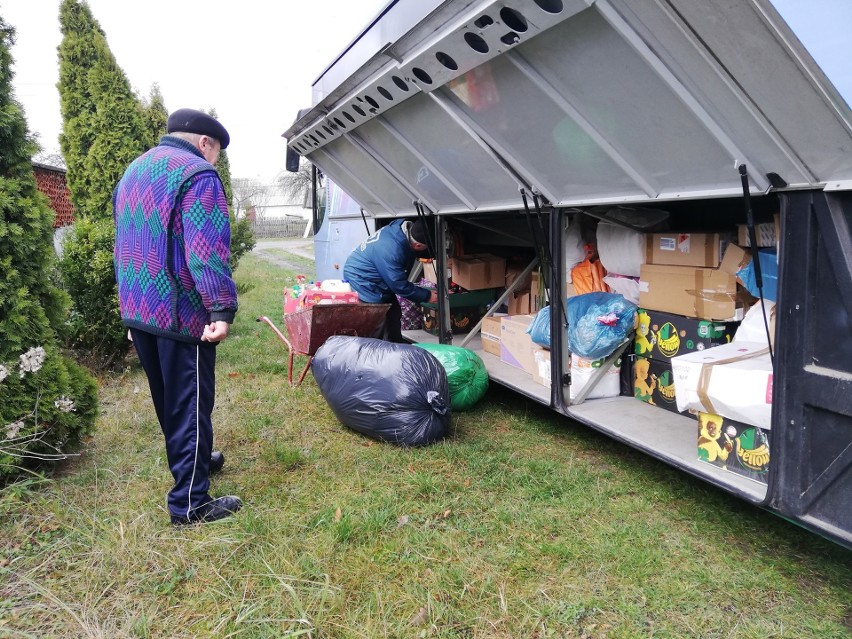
(396, 393)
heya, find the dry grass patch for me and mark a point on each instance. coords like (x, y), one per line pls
(519, 524)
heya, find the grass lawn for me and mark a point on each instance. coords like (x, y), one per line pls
(520, 524)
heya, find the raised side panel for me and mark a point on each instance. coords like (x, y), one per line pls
(812, 481)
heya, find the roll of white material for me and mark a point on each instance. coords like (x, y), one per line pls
(621, 250)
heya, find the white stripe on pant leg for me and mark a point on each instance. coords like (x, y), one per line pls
(195, 460)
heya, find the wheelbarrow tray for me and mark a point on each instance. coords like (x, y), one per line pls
(309, 328)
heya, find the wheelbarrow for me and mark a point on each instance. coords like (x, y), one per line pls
(309, 328)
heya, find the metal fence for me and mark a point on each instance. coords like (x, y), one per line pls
(278, 227)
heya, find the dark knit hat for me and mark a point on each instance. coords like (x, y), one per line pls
(418, 232)
(192, 121)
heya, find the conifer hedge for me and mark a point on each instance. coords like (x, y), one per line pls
(47, 402)
(103, 131)
(105, 127)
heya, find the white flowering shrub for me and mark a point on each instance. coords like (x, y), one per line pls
(47, 404)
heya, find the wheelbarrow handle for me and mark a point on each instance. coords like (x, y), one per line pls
(263, 318)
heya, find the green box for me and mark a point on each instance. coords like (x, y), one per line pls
(466, 309)
(471, 298)
(661, 336)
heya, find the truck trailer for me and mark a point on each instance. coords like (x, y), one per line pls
(509, 124)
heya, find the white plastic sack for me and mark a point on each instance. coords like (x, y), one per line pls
(581, 372)
(752, 328)
(572, 245)
(621, 250)
(626, 286)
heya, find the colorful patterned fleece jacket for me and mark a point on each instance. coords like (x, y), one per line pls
(172, 243)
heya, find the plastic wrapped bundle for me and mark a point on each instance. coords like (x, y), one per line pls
(396, 393)
(539, 329)
(598, 323)
(466, 374)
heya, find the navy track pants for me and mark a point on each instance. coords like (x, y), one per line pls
(182, 380)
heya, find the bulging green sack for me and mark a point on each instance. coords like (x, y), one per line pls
(466, 373)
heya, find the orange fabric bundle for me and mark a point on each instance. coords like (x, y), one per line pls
(587, 277)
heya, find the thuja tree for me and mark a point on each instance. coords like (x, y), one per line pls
(103, 131)
(155, 116)
(47, 402)
(242, 237)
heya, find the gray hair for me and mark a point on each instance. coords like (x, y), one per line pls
(192, 138)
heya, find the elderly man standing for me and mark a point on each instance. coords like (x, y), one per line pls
(177, 297)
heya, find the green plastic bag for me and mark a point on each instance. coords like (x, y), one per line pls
(466, 373)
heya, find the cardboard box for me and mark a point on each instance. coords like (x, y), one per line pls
(684, 249)
(490, 334)
(733, 380)
(734, 446)
(704, 293)
(662, 336)
(541, 371)
(516, 346)
(653, 383)
(475, 272)
(513, 272)
(767, 233)
(527, 302)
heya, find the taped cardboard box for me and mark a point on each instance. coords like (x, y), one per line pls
(490, 334)
(516, 346)
(767, 233)
(541, 372)
(475, 272)
(733, 446)
(733, 380)
(685, 249)
(526, 302)
(704, 293)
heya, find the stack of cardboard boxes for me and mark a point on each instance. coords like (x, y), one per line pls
(688, 301)
(692, 302)
(481, 275)
(504, 335)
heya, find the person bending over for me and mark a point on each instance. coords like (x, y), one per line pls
(378, 270)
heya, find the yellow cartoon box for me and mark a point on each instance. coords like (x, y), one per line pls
(736, 447)
(653, 383)
(662, 336)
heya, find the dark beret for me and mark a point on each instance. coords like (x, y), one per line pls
(192, 121)
(418, 231)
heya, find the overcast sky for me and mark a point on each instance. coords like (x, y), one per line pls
(251, 60)
(254, 60)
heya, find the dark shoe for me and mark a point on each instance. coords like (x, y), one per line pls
(213, 510)
(217, 460)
